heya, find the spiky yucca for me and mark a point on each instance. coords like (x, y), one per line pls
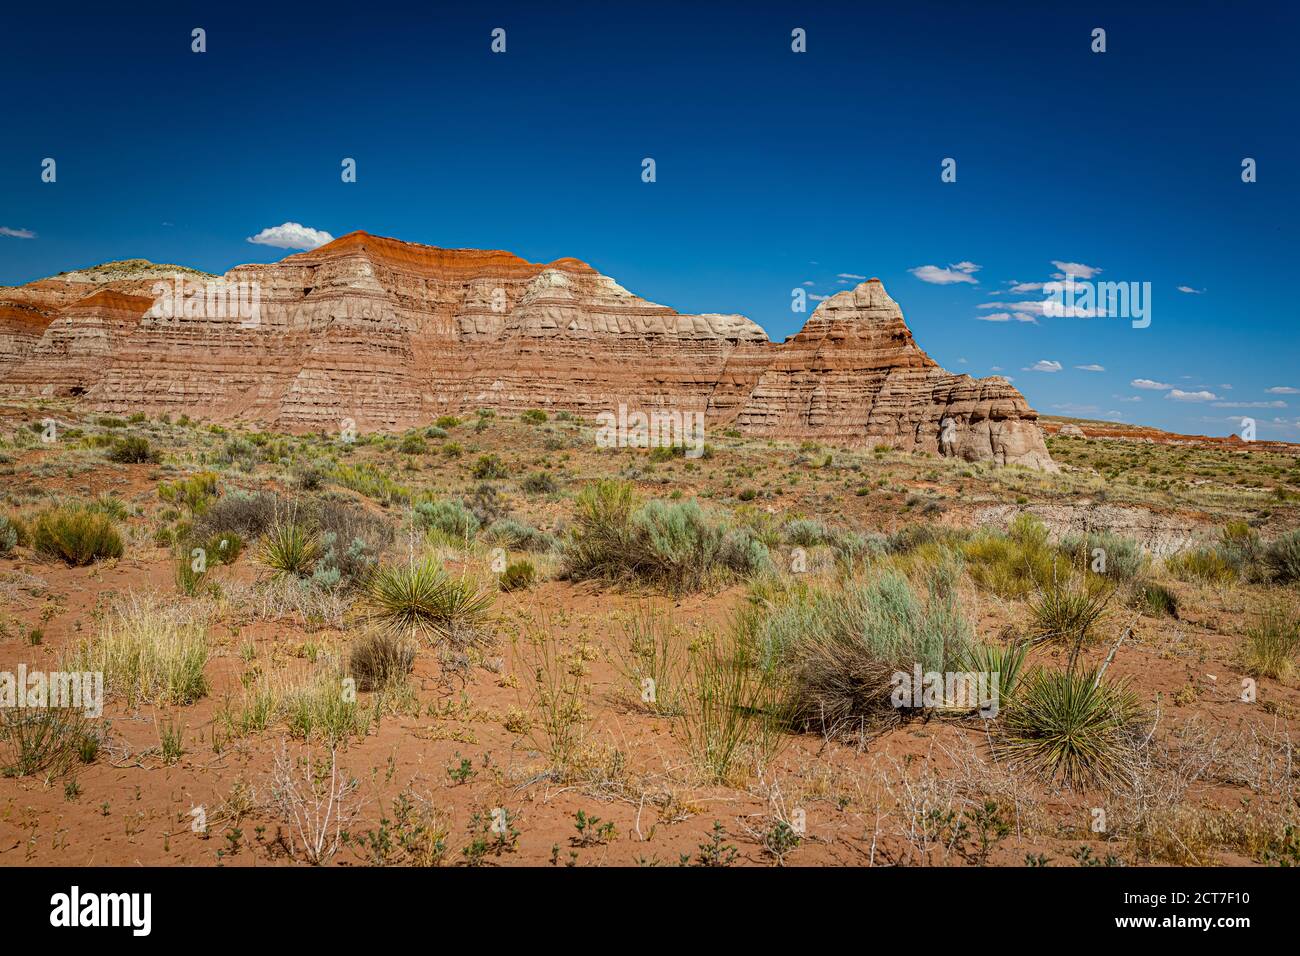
(1073, 727)
(289, 548)
(420, 598)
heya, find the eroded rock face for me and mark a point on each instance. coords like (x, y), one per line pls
(392, 334)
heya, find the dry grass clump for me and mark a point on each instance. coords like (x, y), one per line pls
(149, 652)
(1014, 564)
(1272, 643)
(421, 598)
(379, 660)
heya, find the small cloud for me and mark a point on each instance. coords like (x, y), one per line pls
(291, 235)
(1043, 365)
(1148, 384)
(1179, 395)
(1006, 316)
(966, 267)
(1131, 398)
(850, 275)
(962, 361)
(1250, 404)
(809, 282)
(1190, 291)
(17, 233)
(1019, 287)
(995, 368)
(936, 276)
(1283, 390)
(817, 298)
(1076, 269)
(1090, 368)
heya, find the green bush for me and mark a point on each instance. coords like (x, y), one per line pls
(489, 467)
(1012, 565)
(1281, 558)
(1205, 564)
(8, 535)
(413, 444)
(1124, 557)
(76, 535)
(1154, 599)
(805, 533)
(449, 516)
(534, 416)
(1272, 642)
(518, 576)
(131, 450)
(540, 483)
(446, 422)
(519, 536)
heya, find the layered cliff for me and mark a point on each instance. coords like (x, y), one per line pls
(392, 334)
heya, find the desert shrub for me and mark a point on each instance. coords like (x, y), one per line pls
(149, 652)
(195, 493)
(310, 475)
(1124, 557)
(371, 481)
(111, 505)
(420, 598)
(221, 548)
(46, 740)
(131, 450)
(518, 576)
(8, 535)
(1152, 598)
(519, 536)
(446, 422)
(534, 416)
(247, 514)
(1004, 660)
(1240, 548)
(1205, 564)
(674, 545)
(913, 536)
(1281, 558)
(413, 444)
(240, 453)
(487, 503)
(289, 547)
(841, 648)
(540, 483)
(343, 565)
(76, 535)
(652, 658)
(1272, 642)
(489, 467)
(380, 659)
(449, 516)
(805, 533)
(1073, 727)
(1013, 564)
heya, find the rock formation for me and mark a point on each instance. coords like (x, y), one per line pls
(392, 334)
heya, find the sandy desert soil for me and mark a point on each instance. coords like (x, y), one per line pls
(430, 762)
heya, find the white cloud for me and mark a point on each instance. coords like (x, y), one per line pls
(849, 275)
(1147, 383)
(1250, 404)
(291, 235)
(936, 276)
(1031, 307)
(1131, 398)
(1076, 269)
(964, 266)
(962, 361)
(1190, 291)
(995, 368)
(1043, 365)
(1283, 390)
(1090, 368)
(809, 282)
(817, 298)
(17, 233)
(1178, 395)
(1019, 287)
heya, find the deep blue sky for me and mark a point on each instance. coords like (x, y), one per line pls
(774, 168)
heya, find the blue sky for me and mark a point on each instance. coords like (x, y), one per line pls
(774, 169)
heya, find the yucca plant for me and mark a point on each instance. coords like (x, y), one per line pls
(420, 598)
(289, 548)
(1074, 727)
(1005, 660)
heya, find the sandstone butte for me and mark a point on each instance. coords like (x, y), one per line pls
(393, 334)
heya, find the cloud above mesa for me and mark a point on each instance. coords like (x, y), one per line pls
(17, 233)
(957, 272)
(291, 235)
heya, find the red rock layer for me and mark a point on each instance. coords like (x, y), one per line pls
(392, 334)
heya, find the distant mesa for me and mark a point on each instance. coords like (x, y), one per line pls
(393, 334)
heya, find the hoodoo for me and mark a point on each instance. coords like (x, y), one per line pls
(392, 334)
